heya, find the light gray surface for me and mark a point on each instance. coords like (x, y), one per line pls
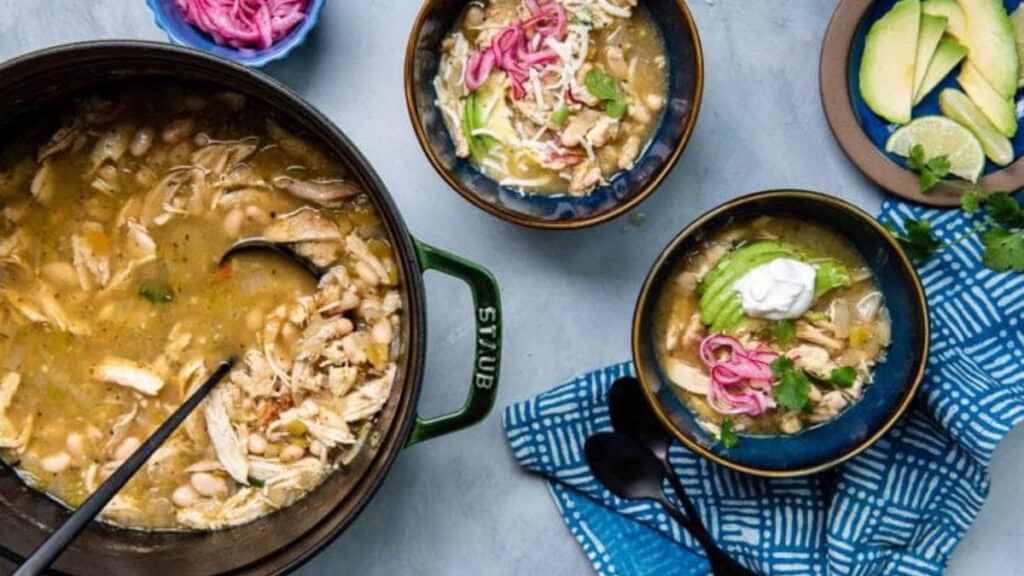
(459, 505)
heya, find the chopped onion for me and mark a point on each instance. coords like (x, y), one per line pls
(868, 306)
(244, 23)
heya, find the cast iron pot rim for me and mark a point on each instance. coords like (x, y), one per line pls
(667, 258)
(532, 221)
(397, 229)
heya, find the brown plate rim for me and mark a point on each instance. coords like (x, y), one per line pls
(836, 101)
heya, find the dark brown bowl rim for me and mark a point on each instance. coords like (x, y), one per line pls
(668, 257)
(835, 98)
(531, 221)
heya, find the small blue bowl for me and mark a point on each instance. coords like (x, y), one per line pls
(171, 21)
(562, 211)
(896, 377)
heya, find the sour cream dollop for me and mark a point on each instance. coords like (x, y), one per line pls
(782, 289)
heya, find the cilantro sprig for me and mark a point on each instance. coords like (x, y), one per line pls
(930, 171)
(727, 434)
(1001, 226)
(606, 88)
(794, 386)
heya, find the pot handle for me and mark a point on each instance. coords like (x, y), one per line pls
(487, 358)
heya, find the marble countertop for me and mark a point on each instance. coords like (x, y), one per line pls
(460, 505)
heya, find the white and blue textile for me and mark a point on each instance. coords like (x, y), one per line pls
(898, 508)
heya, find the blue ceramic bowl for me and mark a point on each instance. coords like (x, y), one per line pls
(626, 189)
(896, 378)
(171, 21)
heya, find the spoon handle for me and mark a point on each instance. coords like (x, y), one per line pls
(52, 547)
(721, 563)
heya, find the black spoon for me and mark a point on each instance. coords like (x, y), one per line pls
(279, 248)
(51, 548)
(632, 416)
(630, 471)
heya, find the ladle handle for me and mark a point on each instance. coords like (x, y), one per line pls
(54, 545)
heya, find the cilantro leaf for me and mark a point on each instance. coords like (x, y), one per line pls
(783, 332)
(970, 202)
(1004, 250)
(916, 161)
(931, 171)
(843, 376)
(727, 434)
(1005, 210)
(918, 241)
(793, 388)
(605, 87)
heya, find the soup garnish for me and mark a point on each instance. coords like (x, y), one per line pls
(113, 307)
(552, 96)
(770, 325)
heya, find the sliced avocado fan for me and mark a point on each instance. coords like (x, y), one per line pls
(721, 308)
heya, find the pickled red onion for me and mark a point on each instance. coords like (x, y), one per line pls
(244, 23)
(519, 47)
(741, 381)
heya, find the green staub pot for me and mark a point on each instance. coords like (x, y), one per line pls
(280, 541)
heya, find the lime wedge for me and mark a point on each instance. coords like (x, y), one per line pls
(940, 136)
(957, 106)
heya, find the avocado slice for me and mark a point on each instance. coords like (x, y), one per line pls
(991, 45)
(956, 22)
(830, 275)
(928, 39)
(956, 106)
(1000, 111)
(887, 67)
(718, 299)
(1017, 19)
(737, 255)
(947, 55)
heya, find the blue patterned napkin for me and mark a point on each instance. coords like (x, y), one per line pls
(898, 508)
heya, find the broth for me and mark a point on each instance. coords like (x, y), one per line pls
(113, 306)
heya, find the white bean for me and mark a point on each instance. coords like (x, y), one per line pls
(76, 444)
(366, 273)
(126, 448)
(56, 463)
(184, 496)
(291, 453)
(208, 485)
(257, 215)
(257, 444)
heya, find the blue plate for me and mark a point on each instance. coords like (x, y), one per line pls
(171, 21)
(896, 377)
(878, 129)
(625, 190)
